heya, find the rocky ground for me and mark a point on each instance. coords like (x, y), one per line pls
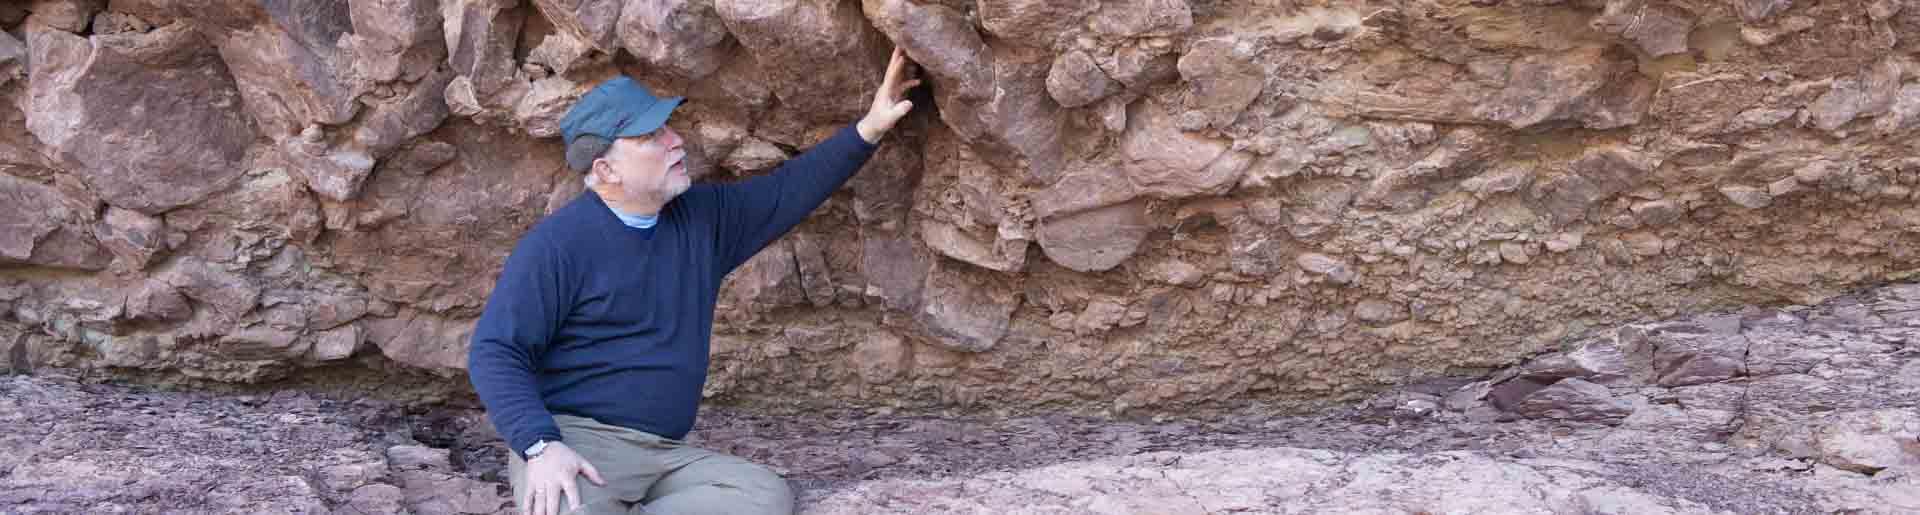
(1805, 409)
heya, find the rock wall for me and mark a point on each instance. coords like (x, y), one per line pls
(1104, 206)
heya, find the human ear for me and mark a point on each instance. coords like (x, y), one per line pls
(603, 171)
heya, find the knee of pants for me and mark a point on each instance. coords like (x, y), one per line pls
(768, 487)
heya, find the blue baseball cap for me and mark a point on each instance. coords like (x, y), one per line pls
(617, 108)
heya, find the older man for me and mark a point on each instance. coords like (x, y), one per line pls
(592, 351)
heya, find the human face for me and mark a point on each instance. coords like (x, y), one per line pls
(650, 168)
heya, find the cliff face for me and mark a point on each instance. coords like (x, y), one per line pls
(1104, 205)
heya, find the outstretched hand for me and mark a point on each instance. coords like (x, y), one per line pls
(890, 103)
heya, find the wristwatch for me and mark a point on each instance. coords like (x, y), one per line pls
(533, 451)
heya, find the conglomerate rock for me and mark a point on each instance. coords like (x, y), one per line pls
(1106, 207)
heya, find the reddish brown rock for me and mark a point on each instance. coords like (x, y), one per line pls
(685, 38)
(592, 21)
(1098, 240)
(94, 103)
(39, 227)
(966, 312)
(836, 33)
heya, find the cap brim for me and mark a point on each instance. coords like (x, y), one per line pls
(651, 120)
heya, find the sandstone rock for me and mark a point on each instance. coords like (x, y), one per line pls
(1159, 160)
(1222, 78)
(228, 294)
(480, 37)
(38, 228)
(135, 239)
(1135, 18)
(422, 340)
(1516, 253)
(1075, 80)
(894, 268)
(995, 98)
(1098, 240)
(1683, 356)
(559, 54)
(768, 281)
(67, 15)
(407, 260)
(547, 101)
(258, 343)
(685, 38)
(1599, 173)
(358, 469)
(591, 21)
(834, 32)
(1033, 22)
(288, 68)
(1658, 212)
(1447, 125)
(882, 357)
(1575, 86)
(1870, 93)
(336, 174)
(1747, 196)
(755, 154)
(966, 312)
(1658, 28)
(810, 261)
(252, 221)
(1869, 442)
(1099, 316)
(997, 254)
(158, 301)
(1330, 267)
(94, 102)
(1575, 399)
(1459, 152)
(1758, 10)
(1583, 85)
(13, 60)
(1598, 361)
(396, 40)
(378, 498)
(1379, 312)
(1178, 273)
(392, 121)
(1309, 480)
(431, 491)
(337, 343)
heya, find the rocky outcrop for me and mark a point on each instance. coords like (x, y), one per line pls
(1807, 409)
(1143, 205)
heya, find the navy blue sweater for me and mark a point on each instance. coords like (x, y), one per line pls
(596, 319)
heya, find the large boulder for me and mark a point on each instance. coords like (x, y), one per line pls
(96, 103)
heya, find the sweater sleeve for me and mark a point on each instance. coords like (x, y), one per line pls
(513, 333)
(753, 213)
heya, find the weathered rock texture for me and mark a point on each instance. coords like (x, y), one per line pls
(1102, 206)
(1804, 409)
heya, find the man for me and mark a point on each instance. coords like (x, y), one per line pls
(592, 351)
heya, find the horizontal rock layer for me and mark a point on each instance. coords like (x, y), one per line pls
(1101, 206)
(1807, 409)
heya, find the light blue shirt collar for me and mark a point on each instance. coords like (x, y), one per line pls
(635, 221)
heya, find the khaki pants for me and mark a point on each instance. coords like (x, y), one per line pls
(649, 474)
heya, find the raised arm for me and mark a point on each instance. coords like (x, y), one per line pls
(755, 212)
